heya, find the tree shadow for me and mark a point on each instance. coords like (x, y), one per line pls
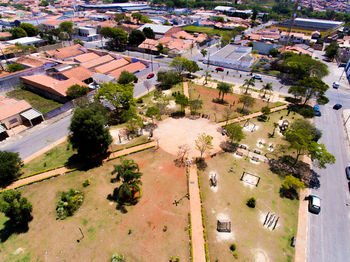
(85, 164)
(201, 164)
(179, 162)
(228, 146)
(289, 193)
(10, 228)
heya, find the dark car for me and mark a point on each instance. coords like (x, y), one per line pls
(314, 204)
(159, 56)
(219, 69)
(150, 76)
(347, 172)
(337, 106)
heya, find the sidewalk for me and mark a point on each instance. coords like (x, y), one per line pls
(62, 170)
(187, 94)
(196, 217)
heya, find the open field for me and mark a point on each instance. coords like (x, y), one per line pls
(263, 129)
(204, 29)
(216, 110)
(138, 233)
(40, 103)
(228, 200)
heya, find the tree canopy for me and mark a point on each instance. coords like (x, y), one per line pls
(76, 91)
(127, 78)
(118, 37)
(136, 37)
(224, 88)
(18, 209)
(168, 78)
(30, 29)
(310, 87)
(14, 67)
(204, 143)
(121, 96)
(148, 32)
(10, 166)
(181, 64)
(18, 32)
(332, 50)
(235, 132)
(89, 132)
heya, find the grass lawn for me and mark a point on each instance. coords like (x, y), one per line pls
(138, 233)
(215, 110)
(264, 128)
(204, 29)
(229, 201)
(57, 156)
(40, 103)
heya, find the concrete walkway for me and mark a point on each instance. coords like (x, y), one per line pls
(187, 94)
(62, 170)
(196, 217)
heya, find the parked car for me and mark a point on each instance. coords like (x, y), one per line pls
(257, 77)
(314, 204)
(159, 56)
(337, 106)
(336, 85)
(317, 110)
(219, 69)
(347, 172)
(150, 76)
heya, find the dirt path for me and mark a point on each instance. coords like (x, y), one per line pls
(242, 118)
(196, 217)
(187, 94)
(62, 170)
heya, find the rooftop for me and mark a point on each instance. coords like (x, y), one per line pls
(98, 61)
(131, 68)
(160, 29)
(10, 107)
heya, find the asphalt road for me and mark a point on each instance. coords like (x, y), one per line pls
(329, 232)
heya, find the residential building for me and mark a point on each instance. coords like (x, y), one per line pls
(161, 30)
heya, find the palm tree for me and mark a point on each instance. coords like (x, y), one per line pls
(204, 52)
(224, 88)
(128, 173)
(248, 83)
(247, 101)
(207, 74)
(266, 87)
(275, 125)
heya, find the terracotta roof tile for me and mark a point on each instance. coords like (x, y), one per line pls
(85, 57)
(80, 73)
(98, 61)
(131, 68)
(11, 107)
(113, 65)
(68, 51)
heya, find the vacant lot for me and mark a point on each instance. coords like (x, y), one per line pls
(228, 201)
(138, 234)
(216, 111)
(204, 29)
(40, 103)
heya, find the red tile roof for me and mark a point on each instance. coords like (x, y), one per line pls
(86, 57)
(131, 68)
(113, 65)
(98, 61)
(80, 73)
(10, 107)
(66, 52)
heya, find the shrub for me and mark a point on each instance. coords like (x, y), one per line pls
(86, 183)
(251, 202)
(235, 255)
(69, 202)
(233, 247)
(139, 100)
(307, 112)
(14, 67)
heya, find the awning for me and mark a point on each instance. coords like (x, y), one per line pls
(2, 129)
(31, 114)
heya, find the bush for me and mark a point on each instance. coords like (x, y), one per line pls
(251, 202)
(86, 183)
(76, 91)
(307, 112)
(14, 67)
(235, 255)
(69, 202)
(233, 247)
(201, 164)
(139, 100)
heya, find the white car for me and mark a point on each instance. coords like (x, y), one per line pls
(336, 85)
(314, 204)
(257, 77)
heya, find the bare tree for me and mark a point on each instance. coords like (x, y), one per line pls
(204, 143)
(215, 109)
(181, 153)
(147, 84)
(228, 112)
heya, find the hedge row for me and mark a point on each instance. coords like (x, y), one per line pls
(190, 232)
(142, 143)
(203, 221)
(39, 172)
(188, 182)
(142, 149)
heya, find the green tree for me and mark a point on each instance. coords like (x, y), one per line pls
(179, 64)
(332, 50)
(44, 3)
(121, 96)
(127, 78)
(78, 41)
(137, 17)
(191, 66)
(160, 47)
(136, 37)
(224, 88)
(273, 52)
(149, 33)
(267, 87)
(30, 29)
(248, 83)
(129, 174)
(310, 87)
(247, 102)
(76, 91)
(14, 67)
(119, 17)
(302, 137)
(134, 124)
(181, 100)
(167, 79)
(67, 28)
(18, 32)
(10, 166)
(18, 209)
(204, 143)
(118, 37)
(195, 105)
(204, 52)
(225, 40)
(153, 112)
(235, 132)
(118, 258)
(292, 182)
(89, 134)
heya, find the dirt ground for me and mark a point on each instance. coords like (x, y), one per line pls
(175, 132)
(106, 229)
